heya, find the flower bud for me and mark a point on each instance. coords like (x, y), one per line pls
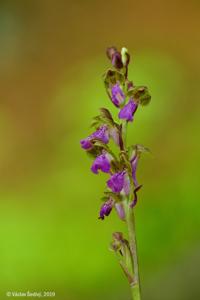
(116, 182)
(115, 57)
(117, 60)
(106, 208)
(125, 56)
(117, 95)
(110, 51)
(128, 111)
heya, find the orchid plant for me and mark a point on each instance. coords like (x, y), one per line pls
(122, 188)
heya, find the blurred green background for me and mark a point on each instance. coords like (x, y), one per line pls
(52, 56)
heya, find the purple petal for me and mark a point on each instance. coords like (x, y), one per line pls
(128, 111)
(118, 96)
(134, 202)
(116, 182)
(117, 60)
(106, 209)
(86, 144)
(101, 163)
(101, 134)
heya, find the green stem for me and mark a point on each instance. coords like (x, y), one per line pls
(135, 286)
(130, 220)
(135, 292)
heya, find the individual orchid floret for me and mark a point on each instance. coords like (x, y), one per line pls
(102, 162)
(127, 112)
(86, 143)
(115, 57)
(110, 51)
(117, 95)
(117, 60)
(101, 134)
(106, 208)
(116, 182)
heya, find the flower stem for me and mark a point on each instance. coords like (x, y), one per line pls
(130, 220)
(135, 291)
(135, 286)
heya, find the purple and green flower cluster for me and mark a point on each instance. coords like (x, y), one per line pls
(122, 185)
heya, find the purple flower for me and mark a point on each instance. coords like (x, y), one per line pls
(106, 209)
(102, 162)
(134, 163)
(134, 202)
(116, 182)
(118, 96)
(110, 51)
(128, 111)
(116, 60)
(115, 57)
(101, 134)
(86, 144)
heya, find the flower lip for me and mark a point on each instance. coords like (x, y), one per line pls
(106, 208)
(102, 162)
(116, 182)
(127, 112)
(86, 144)
(101, 134)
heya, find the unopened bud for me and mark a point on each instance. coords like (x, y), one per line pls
(115, 57)
(125, 56)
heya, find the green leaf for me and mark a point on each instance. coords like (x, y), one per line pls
(140, 94)
(140, 148)
(115, 196)
(105, 117)
(105, 113)
(95, 151)
(111, 77)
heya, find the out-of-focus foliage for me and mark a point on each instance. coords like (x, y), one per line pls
(52, 60)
